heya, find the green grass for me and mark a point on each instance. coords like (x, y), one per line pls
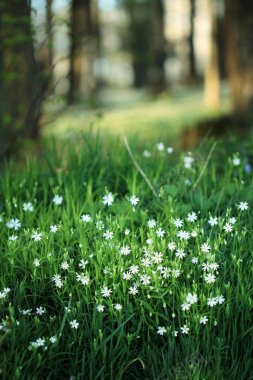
(124, 344)
(130, 112)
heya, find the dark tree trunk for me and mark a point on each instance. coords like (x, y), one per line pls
(81, 33)
(21, 88)
(157, 74)
(50, 36)
(140, 40)
(192, 62)
(239, 42)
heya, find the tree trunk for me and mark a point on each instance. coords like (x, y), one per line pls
(192, 62)
(157, 74)
(50, 37)
(140, 40)
(83, 50)
(239, 27)
(20, 94)
(212, 76)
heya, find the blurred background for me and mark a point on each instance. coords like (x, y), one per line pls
(179, 70)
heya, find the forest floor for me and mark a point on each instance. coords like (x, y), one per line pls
(130, 112)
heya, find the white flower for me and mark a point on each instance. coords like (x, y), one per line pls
(28, 207)
(183, 235)
(175, 333)
(232, 220)
(166, 271)
(243, 206)
(100, 308)
(195, 260)
(40, 310)
(205, 248)
(13, 238)
(108, 235)
(188, 161)
(74, 324)
(127, 276)
(57, 281)
(57, 200)
(236, 161)
(160, 146)
(145, 279)
(40, 342)
(100, 225)
(185, 306)
(118, 306)
(175, 273)
(85, 218)
(108, 199)
(134, 200)
(160, 232)
(210, 278)
(157, 257)
(212, 301)
(36, 263)
(161, 330)
(133, 290)
(213, 221)
(171, 246)
(53, 228)
(180, 253)
(65, 265)
(134, 269)
(194, 233)
(83, 263)
(149, 241)
(220, 299)
(146, 262)
(203, 320)
(178, 222)
(83, 278)
(36, 236)
(106, 292)
(151, 223)
(53, 339)
(191, 298)
(185, 329)
(146, 154)
(170, 149)
(127, 231)
(14, 224)
(192, 217)
(125, 250)
(228, 227)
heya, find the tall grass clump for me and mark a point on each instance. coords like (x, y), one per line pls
(121, 261)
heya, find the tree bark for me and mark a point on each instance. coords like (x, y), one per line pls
(157, 73)
(140, 34)
(192, 62)
(83, 50)
(239, 27)
(20, 94)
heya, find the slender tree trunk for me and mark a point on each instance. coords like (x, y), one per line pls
(212, 76)
(81, 33)
(20, 94)
(239, 28)
(140, 29)
(192, 62)
(157, 73)
(50, 36)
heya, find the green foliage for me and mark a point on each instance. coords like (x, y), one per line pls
(124, 344)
